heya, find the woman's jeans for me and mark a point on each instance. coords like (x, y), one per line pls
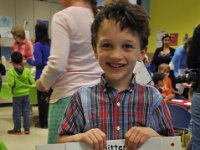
(21, 107)
(195, 111)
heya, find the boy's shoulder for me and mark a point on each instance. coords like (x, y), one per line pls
(152, 92)
(91, 87)
(88, 87)
(150, 88)
(11, 70)
(27, 69)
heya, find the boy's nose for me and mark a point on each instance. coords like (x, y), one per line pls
(116, 54)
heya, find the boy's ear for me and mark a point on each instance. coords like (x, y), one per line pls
(95, 52)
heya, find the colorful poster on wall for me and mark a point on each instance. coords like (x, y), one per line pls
(159, 36)
(174, 39)
(6, 23)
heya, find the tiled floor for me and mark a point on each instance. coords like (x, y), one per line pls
(20, 142)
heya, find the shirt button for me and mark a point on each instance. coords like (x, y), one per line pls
(118, 104)
(118, 128)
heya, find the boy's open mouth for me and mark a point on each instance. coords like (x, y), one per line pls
(116, 65)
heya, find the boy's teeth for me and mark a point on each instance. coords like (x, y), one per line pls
(117, 66)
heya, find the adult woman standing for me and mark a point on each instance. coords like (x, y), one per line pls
(163, 54)
(41, 54)
(193, 62)
(71, 63)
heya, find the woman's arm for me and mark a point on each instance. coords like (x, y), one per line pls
(37, 55)
(60, 49)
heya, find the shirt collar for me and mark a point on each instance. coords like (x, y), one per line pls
(106, 85)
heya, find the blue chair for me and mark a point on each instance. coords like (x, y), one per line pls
(180, 119)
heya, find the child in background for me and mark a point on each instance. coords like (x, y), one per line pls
(158, 79)
(167, 90)
(117, 107)
(19, 80)
(22, 44)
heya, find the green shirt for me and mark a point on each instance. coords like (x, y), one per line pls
(20, 83)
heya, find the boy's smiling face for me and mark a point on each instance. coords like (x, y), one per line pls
(117, 52)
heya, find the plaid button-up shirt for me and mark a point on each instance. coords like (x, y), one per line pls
(101, 106)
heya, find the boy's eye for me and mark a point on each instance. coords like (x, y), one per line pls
(127, 46)
(106, 45)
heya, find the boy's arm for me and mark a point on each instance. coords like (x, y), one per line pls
(159, 124)
(10, 78)
(160, 119)
(73, 123)
(93, 137)
(31, 79)
(168, 97)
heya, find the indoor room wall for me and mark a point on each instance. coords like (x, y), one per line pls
(31, 10)
(173, 16)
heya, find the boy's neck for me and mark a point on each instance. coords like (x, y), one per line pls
(17, 65)
(120, 86)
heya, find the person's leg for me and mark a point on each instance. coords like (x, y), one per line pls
(56, 111)
(26, 113)
(17, 113)
(16, 116)
(195, 111)
(43, 109)
(45, 106)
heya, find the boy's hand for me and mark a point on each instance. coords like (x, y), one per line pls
(136, 136)
(96, 138)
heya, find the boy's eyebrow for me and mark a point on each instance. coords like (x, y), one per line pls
(105, 39)
(130, 41)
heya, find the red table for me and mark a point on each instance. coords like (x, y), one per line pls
(185, 103)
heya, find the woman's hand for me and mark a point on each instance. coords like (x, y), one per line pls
(40, 86)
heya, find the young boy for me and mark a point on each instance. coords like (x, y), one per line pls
(158, 79)
(117, 107)
(167, 90)
(20, 79)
